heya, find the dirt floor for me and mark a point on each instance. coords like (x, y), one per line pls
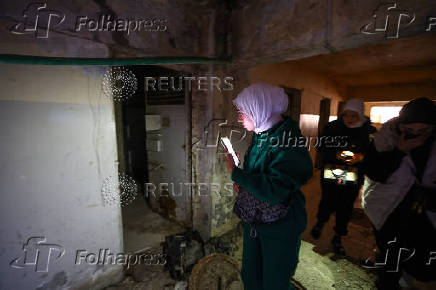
(359, 244)
(144, 228)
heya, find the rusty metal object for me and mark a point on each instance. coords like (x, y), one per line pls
(216, 271)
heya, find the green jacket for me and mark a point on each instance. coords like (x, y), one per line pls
(276, 165)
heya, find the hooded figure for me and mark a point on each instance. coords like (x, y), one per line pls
(350, 133)
(273, 175)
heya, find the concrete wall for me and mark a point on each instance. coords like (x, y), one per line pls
(223, 218)
(212, 111)
(182, 29)
(270, 31)
(173, 159)
(58, 145)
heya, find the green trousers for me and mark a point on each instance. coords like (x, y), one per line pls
(270, 255)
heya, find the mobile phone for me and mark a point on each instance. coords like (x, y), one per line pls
(228, 145)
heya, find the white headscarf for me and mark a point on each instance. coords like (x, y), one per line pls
(357, 106)
(263, 103)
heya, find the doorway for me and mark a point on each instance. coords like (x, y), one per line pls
(153, 129)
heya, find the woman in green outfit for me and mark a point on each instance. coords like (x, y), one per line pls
(276, 165)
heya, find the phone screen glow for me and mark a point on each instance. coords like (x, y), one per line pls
(229, 147)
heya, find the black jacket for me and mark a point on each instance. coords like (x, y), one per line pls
(337, 137)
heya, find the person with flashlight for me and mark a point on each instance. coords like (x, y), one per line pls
(341, 170)
(399, 194)
(269, 202)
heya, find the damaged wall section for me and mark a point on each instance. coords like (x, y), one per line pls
(58, 146)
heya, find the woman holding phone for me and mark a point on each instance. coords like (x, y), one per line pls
(269, 200)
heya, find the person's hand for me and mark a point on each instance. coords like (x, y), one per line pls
(230, 163)
(351, 161)
(237, 155)
(358, 157)
(423, 198)
(405, 145)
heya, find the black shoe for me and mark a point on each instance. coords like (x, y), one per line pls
(338, 249)
(316, 231)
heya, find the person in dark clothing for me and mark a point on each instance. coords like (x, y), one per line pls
(400, 194)
(340, 160)
(271, 174)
